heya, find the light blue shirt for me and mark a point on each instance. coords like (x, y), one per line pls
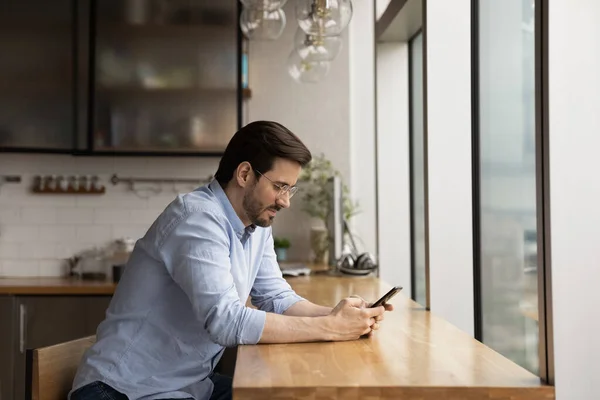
(182, 298)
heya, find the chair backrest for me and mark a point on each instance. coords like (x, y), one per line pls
(50, 370)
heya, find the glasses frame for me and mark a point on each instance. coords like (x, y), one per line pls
(283, 189)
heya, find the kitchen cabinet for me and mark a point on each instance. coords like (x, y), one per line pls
(35, 321)
(120, 77)
(36, 75)
(165, 77)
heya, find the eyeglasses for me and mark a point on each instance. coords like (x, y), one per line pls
(283, 189)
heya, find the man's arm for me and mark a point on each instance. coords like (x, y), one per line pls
(270, 292)
(305, 308)
(347, 321)
(196, 255)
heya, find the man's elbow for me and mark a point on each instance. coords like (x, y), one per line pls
(265, 305)
(224, 339)
(242, 327)
(222, 330)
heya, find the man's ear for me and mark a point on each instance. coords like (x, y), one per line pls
(243, 174)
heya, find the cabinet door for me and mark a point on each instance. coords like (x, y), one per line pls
(43, 321)
(166, 76)
(6, 347)
(95, 312)
(36, 75)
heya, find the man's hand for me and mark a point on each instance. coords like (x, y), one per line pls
(378, 318)
(351, 319)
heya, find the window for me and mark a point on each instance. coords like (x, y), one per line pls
(417, 171)
(507, 207)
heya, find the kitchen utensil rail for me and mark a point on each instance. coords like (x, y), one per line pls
(115, 179)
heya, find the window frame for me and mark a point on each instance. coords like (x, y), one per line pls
(411, 156)
(542, 177)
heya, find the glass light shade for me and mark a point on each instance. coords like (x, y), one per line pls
(317, 48)
(323, 17)
(306, 71)
(262, 24)
(269, 5)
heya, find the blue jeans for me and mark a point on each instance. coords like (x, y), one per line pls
(101, 391)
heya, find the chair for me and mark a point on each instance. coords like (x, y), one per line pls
(50, 370)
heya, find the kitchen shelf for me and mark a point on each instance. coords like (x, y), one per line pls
(123, 31)
(158, 151)
(69, 191)
(140, 90)
(44, 89)
(13, 27)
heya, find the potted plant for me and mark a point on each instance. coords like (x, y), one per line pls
(281, 245)
(317, 200)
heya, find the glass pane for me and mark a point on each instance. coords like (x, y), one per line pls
(36, 74)
(166, 75)
(508, 180)
(417, 160)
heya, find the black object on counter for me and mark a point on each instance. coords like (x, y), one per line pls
(117, 271)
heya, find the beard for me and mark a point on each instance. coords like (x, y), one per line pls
(254, 209)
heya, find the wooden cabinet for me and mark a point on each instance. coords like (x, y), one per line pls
(7, 348)
(35, 321)
(120, 77)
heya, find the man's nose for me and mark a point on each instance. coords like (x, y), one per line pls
(284, 200)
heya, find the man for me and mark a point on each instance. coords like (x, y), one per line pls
(181, 299)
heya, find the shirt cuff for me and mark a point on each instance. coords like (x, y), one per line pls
(281, 305)
(252, 326)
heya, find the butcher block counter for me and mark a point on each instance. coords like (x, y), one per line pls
(414, 355)
(54, 286)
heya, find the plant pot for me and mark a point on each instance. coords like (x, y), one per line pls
(319, 245)
(281, 254)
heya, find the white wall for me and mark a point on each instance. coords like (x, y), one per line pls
(448, 49)
(393, 164)
(317, 113)
(362, 122)
(38, 232)
(335, 117)
(574, 58)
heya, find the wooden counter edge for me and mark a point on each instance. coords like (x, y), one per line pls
(55, 286)
(543, 392)
(56, 290)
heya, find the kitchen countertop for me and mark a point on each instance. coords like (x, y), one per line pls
(415, 355)
(54, 286)
(71, 286)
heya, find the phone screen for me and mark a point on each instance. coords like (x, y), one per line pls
(386, 297)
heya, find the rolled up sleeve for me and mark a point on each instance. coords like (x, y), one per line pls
(270, 292)
(196, 255)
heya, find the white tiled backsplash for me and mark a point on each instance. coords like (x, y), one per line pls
(38, 232)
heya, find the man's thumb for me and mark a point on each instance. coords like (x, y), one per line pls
(356, 301)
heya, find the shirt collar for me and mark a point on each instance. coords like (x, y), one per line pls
(240, 230)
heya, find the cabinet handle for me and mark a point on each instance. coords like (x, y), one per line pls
(22, 327)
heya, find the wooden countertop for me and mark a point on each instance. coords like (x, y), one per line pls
(414, 355)
(70, 286)
(54, 286)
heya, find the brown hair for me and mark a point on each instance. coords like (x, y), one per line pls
(259, 143)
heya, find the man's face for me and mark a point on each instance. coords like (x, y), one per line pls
(262, 199)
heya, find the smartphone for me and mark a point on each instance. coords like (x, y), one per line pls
(386, 297)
